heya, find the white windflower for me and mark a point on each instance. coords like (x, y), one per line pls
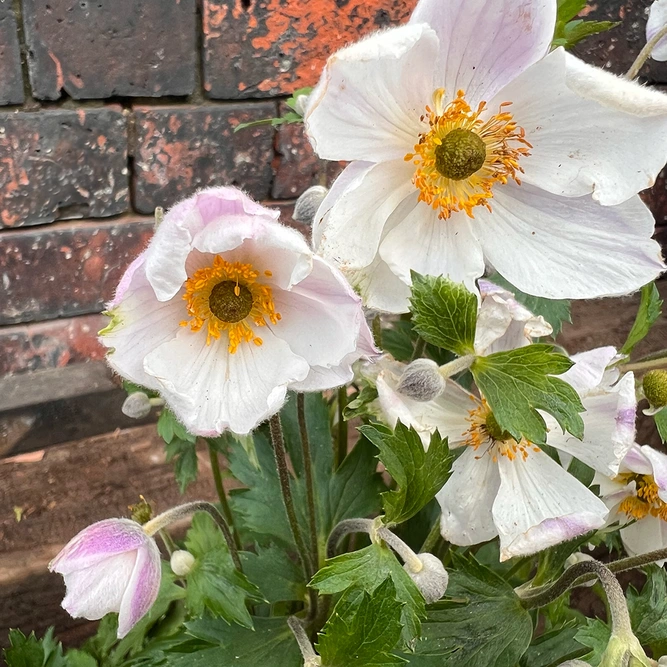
(637, 498)
(657, 21)
(472, 145)
(515, 490)
(226, 310)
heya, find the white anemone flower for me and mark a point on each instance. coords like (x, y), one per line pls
(515, 490)
(226, 310)
(471, 144)
(657, 21)
(637, 498)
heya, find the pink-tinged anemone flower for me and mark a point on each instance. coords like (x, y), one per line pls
(227, 309)
(111, 566)
(515, 490)
(657, 21)
(637, 498)
(471, 144)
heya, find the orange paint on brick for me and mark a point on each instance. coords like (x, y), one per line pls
(60, 80)
(214, 15)
(81, 115)
(75, 81)
(101, 141)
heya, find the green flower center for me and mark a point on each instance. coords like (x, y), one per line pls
(461, 154)
(655, 388)
(494, 430)
(230, 302)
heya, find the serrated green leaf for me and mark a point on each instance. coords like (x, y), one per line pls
(367, 569)
(444, 313)
(360, 405)
(648, 609)
(76, 658)
(484, 624)
(399, 339)
(214, 583)
(274, 573)
(568, 9)
(518, 383)
(418, 473)
(362, 629)
(183, 453)
(32, 652)
(570, 30)
(661, 424)
(168, 428)
(595, 636)
(650, 309)
(553, 648)
(291, 102)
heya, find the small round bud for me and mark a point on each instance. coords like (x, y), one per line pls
(655, 388)
(137, 405)
(432, 579)
(662, 662)
(421, 381)
(301, 104)
(182, 562)
(307, 204)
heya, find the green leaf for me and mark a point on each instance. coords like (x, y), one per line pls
(570, 30)
(32, 652)
(444, 313)
(595, 636)
(214, 583)
(518, 383)
(661, 424)
(569, 9)
(650, 309)
(76, 658)
(555, 312)
(276, 575)
(552, 560)
(168, 428)
(553, 648)
(291, 102)
(485, 625)
(367, 569)
(361, 404)
(648, 609)
(362, 629)
(418, 473)
(180, 448)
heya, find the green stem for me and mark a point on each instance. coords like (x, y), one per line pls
(310, 482)
(644, 365)
(222, 496)
(377, 331)
(168, 541)
(342, 426)
(433, 537)
(420, 348)
(645, 54)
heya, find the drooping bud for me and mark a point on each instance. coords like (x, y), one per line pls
(307, 204)
(432, 579)
(625, 651)
(655, 388)
(182, 562)
(421, 381)
(137, 405)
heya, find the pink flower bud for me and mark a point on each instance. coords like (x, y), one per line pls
(111, 566)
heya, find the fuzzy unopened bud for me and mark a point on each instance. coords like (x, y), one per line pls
(137, 405)
(662, 662)
(182, 563)
(655, 388)
(432, 579)
(307, 204)
(421, 381)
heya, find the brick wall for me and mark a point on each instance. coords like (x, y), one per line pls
(109, 108)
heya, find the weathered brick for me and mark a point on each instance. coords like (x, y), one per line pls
(11, 79)
(101, 48)
(66, 269)
(272, 47)
(617, 49)
(181, 149)
(62, 164)
(51, 344)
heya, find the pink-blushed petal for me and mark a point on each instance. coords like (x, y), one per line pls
(98, 542)
(368, 103)
(589, 368)
(540, 505)
(636, 461)
(485, 44)
(609, 428)
(211, 390)
(142, 589)
(353, 225)
(493, 321)
(657, 20)
(467, 498)
(379, 288)
(422, 242)
(97, 590)
(565, 248)
(586, 126)
(139, 324)
(648, 534)
(658, 462)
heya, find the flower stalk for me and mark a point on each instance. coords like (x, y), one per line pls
(222, 496)
(341, 438)
(310, 658)
(645, 54)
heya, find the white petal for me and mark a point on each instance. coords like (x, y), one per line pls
(144, 323)
(648, 534)
(657, 20)
(487, 43)
(591, 132)
(658, 462)
(540, 505)
(493, 321)
(352, 226)
(368, 103)
(423, 243)
(379, 288)
(211, 390)
(589, 368)
(562, 248)
(636, 461)
(467, 498)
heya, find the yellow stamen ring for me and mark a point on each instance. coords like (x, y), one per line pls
(647, 499)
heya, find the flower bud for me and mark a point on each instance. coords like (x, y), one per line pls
(432, 579)
(182, 562)
(307, 204)
(301, 104)
(624, 651)
(655, 388)
(421, 381)
(137, 405)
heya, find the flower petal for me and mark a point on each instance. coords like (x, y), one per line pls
(658, 462)
(211, 390)
(368, 103)
(493, 321)
(484, 44)
(648, 534)
(467, 498)
(586, 126)
(379, 288)
(657, 20)
(540, 505)
(589, 369)
(563, 248)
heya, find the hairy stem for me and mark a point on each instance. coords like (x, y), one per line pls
(457, 366)
(644, 365)
(310, 658)
(341, 437)
(377, 331)
(222, 496)
(310, 482)
(420, 348)
(645, 54)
